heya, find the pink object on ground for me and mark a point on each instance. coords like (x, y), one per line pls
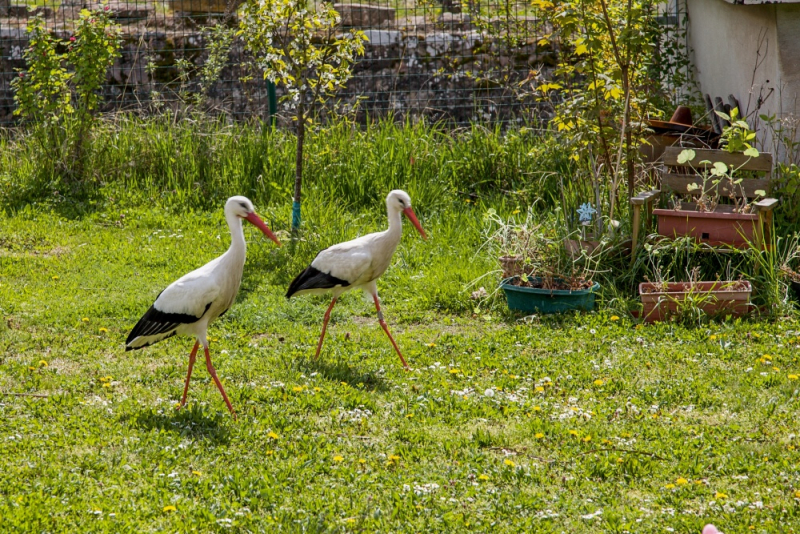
(710, 529)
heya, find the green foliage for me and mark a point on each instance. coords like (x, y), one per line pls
(42, 91)
(737, 136)
(92, 52)
(786, 186)
(299, 48)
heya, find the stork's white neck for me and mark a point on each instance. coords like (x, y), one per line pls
(395, 221)
(238, 246)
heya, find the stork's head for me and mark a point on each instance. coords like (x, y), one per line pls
(398, 200)
(242, 207)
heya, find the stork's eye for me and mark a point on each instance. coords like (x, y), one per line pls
(243, 205)
(403, 204)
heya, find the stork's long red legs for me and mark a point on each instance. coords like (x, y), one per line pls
(189, 374)
(386, 329)
(324, 328)
(211, 371)
(213, 374)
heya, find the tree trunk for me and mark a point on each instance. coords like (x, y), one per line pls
(298, 169)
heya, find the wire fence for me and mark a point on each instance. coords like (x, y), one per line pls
(453, 60)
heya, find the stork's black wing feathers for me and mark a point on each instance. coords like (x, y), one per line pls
(312, 278)
(155, 322)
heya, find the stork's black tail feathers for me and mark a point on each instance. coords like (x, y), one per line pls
(313, 278)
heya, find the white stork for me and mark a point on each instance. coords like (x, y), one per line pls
(188, 305)
(357, 264)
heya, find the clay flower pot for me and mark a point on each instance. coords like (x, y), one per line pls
(719, 227)
(660, 301)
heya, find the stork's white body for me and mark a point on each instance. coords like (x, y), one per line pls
(357, 264)
(188, 305)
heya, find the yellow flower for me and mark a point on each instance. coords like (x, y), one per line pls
(454, 371)
(409, 415)
(620, 460)
(273, 435)
(55, 277)
(719, 495)
(712, 337)
(509, 463)
(269, 453)
(483, 477)
(539, 435)
(614, 318)
(514, 212)
(337, 458)
(362, 461)
(169, 508)
(106, 385)
(393, 458)
(431, 344)
(317, 389)
(792, 377)
(537, 408)
(297, 389)
(573, 433)
(587, 439)
(605, 441)
(670, 486)
(350, 520)
(85, 319)
(197, 473)
(539, 389)
(681, 481)
(598, 382)
(103, 329)
(797, 494)
(42, 363)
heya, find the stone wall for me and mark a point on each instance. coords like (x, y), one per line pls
(412, 67)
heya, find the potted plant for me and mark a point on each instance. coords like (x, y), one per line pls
(662, 300)
(726, 201)
(538, 273)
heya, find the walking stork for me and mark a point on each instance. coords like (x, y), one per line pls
(191, 303)
(357, 264)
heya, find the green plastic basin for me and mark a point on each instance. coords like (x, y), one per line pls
(534, 300)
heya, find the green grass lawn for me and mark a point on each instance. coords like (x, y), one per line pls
(589, 423)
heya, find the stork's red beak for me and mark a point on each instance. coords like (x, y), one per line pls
(413, 218)
(256, 220)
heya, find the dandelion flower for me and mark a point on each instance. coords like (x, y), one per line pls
(337, 458)
(573, 433)
(350, 520)
(681, 481)
(409, 415)
(587, 439)
(538, 435)
(317, 389)
(670, 486)
(620, 460)
(483, 477)
(85, 319)
(797, 494)
(614, 318)
(431, 344)
(537, 408)
(509, 463)
(273, 435)
(792, 377)
(197, 473)
(719, 495)
(712, 337)
(539, 389)
(514, 212)
(170, 508)
(393, 458)
(362, 461)
(297, 389)
(55, 277)
(598, 382)
(42, 363)
(103, 329)
(454, 371)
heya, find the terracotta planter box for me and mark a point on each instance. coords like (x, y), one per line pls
(714, 228)
(714, 298)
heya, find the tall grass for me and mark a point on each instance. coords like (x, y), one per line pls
(195, 164)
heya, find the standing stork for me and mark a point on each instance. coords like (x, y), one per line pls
(188, 305)
(358, 264)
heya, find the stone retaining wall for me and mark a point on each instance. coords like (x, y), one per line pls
(443, 69)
